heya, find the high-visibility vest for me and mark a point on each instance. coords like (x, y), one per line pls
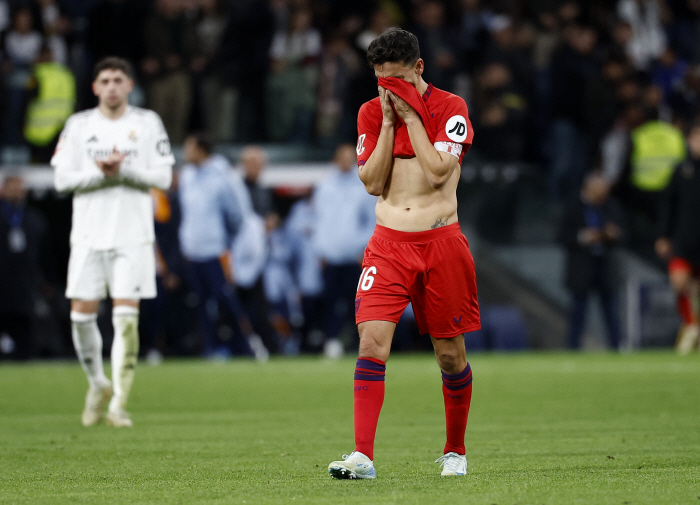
(657, 147)
(48, 112)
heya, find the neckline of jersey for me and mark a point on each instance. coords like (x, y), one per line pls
(126, 114)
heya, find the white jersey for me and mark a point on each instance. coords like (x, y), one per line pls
(112, 212)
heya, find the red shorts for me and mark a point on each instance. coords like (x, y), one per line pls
(678, 264)
(432, 269)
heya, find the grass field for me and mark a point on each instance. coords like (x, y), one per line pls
(544, 429)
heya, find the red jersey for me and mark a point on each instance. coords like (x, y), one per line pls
(448, 111)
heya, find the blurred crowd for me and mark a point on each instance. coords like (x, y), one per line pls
(608, 88)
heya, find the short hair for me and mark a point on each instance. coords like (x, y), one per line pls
(203, 142)
(394, 46)
(113, 63)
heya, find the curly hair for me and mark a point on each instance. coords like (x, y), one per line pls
(394, 46)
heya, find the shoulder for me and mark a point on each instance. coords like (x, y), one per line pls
(371, 109)
(145, 115)
(80, 118)
(448, 102)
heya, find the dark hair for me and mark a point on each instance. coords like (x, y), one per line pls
(394, 46)
(203, 141)
(113, 63)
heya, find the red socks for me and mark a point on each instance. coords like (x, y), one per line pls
(457, 391)
(369, 397)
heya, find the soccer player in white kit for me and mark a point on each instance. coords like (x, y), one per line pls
(110, 157)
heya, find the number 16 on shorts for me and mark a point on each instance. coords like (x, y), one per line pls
(366, 278)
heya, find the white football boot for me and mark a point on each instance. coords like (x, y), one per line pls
(354, 466)
(95, 401)
(119, 418)
(453, 464)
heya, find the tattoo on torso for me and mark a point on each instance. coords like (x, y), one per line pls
(438, 223)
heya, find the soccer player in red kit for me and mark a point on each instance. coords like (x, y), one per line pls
(411, 140)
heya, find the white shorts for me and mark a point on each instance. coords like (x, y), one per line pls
(126, 273)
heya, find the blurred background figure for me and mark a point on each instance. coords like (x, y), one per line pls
(23, 267)
(53, 95)
(212, 215)
(291, 88)
(306, 270)
(590, 229)
(253, 162)
(679, 241)
(345, 222)
(170, 45)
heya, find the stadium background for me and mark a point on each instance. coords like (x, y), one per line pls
(555, 89)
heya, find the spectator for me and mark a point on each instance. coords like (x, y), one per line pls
(216, 101)
(437, 43)
(56, 26)
(679, 241)
(292, 86)
(53, 86)
(502, 113)
(20, 47)
(339, 64)
(667, 73)
(345, 222)
(211, 215)
(243, 61)
(170, 45)
(254, 161)
(23, 255)
(685, 99)
(648, 39)
(591, 227)
(574, 66)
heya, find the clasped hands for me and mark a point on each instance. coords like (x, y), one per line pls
(110, 167)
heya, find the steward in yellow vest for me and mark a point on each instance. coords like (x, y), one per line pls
(657, 147)
(53, 104)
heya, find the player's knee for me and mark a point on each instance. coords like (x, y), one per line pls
(371, 346)
(450, 361)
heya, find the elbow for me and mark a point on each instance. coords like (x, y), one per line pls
(438, 181)
(61, 184)
(374, 189)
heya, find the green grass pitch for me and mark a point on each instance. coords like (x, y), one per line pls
(544, 429)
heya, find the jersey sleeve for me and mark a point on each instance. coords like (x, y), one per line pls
(454, 127)
(69, 175)
(369, 124)
(158, 171)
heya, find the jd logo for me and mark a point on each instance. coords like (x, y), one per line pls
(456, 129)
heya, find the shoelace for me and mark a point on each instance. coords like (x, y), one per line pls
(448, 460)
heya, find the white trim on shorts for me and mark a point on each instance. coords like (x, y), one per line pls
(126, 273)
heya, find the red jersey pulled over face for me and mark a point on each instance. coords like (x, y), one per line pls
(448, 111)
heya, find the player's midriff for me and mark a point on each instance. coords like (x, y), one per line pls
(410, 203)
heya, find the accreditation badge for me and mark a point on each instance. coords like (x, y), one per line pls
(17, 240)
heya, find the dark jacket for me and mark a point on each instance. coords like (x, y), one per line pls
(23, 253)
(679, 218)
(589, 266)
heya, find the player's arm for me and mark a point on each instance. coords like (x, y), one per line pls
(375, 171)
(158, 172)
(437, 166)
(231, 206)
(69, 175)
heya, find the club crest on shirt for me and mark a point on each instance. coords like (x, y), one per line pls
(456, 128)
(132, 136)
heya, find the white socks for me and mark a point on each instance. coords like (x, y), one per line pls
(125, 352)
(88, 345)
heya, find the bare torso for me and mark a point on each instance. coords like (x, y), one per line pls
(410, 203)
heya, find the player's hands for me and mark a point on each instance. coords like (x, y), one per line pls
(663, 248)
(404, 111)
(110, 167)
(389, 116)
